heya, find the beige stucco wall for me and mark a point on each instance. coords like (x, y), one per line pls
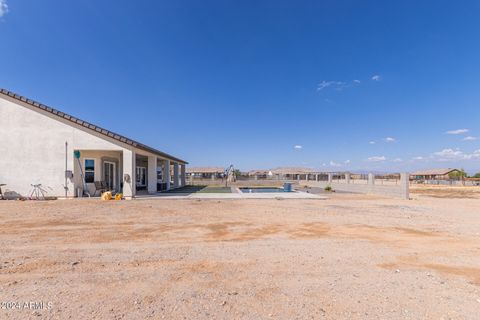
(32, 149)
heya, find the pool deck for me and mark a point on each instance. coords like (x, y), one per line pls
(234, 195)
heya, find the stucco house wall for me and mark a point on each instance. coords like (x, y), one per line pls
(32, 149)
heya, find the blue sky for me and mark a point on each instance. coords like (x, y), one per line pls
(340, 85)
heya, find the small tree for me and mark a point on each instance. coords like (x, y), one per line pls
(237, 173)
(457, 174)
(477, 175)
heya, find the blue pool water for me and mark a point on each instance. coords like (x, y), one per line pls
(262, 190)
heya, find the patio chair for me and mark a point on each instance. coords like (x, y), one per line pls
(100, 186)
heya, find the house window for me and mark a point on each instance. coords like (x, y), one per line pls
(89, 170)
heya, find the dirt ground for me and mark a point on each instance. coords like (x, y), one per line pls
(449, 192)
(348, 257)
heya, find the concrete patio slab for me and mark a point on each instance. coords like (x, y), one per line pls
(272, 195)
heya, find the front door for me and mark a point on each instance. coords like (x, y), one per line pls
(109, 174)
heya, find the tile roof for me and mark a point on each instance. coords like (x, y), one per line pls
(283, 170)
(205, 170)
(90, 126)
(433, 172)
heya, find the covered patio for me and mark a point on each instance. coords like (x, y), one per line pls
(125, 171)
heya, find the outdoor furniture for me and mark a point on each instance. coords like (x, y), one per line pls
(100, 186)
(1, 194)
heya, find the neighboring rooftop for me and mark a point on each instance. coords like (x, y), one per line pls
(88, 125)
(292, 170)
(282, 170)
(205, 170)
(433, 172)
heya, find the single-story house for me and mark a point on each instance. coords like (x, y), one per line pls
(71, 157)
(284, 173)
(434, 174)
(206, 172)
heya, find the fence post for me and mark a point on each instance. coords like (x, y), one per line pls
(405, 185)
(371, 179)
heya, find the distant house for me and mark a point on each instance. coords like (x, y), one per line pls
(212, 173)
(289, 173)
(70, 157)
(434, 174)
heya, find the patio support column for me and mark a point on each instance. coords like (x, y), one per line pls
(306, 177)
(176, 177)
(347, 177)
(128, 177)
(152, 175)
(316, 177)
(330, 177)
(183, 178)
(166, 174)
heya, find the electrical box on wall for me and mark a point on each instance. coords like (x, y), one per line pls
(69, 174)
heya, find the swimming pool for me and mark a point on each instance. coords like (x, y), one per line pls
(262, 190)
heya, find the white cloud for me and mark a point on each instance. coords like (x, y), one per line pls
(377, 159)
(347, 161)
(449, 154)
(337, 85)
(458, 131)
(356, 81)
(418, 158)
(3, 8)
(397, 160)
(298, 147)
(372, 142)
(389, 139)
(335, 164)
(376, 77)
(324, 84)
(469, 138)
(475, 154)
(455, 155)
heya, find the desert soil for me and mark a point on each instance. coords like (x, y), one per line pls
(348, 257)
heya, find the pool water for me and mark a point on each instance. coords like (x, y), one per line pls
(262, 190)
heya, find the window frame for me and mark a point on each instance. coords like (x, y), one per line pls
(89, 170)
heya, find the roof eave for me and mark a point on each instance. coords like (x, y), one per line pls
(90, 126)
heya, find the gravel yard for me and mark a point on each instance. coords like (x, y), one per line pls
(348, 257)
